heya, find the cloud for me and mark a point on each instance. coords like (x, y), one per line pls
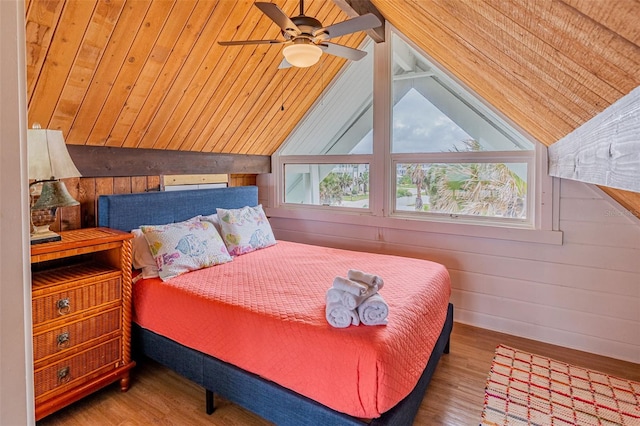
(418, 126)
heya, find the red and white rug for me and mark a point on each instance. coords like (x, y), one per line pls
(528, 389)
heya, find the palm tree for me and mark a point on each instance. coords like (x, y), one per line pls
(485, 189)
(362, 181)
(330, 190)
(345, 181)
(417, 174)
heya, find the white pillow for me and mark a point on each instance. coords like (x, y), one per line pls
(141, 255)
(245, 230)
(185, 246)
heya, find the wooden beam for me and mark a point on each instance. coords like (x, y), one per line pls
(354, 8)
(101, 161)
(605, 150)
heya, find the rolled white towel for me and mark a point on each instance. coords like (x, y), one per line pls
(340, 316)
(369, 279)
(334, 295)
(373, 311)
(347, 299)
(344, 284)
(351, 301)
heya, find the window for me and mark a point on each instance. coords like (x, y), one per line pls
(337, 124)
(336, 185)
(453, 157)
(459, 189)
(325, 161)
(443, 154)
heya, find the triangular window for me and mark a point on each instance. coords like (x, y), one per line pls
(443, 153)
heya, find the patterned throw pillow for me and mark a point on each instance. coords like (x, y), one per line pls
(185, 246)
(245, 230)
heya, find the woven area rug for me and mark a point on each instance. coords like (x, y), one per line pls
(527, 389)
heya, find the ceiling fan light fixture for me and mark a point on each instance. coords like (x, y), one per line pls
(302, 55)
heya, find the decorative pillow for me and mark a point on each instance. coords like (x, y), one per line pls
(213, 218)
(141, 255)
(185, 246)
(245, 230)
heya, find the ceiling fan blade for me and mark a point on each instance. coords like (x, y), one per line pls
(342, 51)
(243, 42)
(279, 17)
(284, 64)
(359, 23)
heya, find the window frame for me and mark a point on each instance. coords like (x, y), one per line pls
(541, 225)
(476, 103)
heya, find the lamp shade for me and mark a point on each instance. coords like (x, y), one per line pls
(302, 55)
(48, 155)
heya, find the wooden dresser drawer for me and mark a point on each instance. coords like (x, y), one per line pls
(68, 336)
(57, 376)
(57, 301)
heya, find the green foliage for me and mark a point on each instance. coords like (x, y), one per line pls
(483, 189)
(405, 180)
(403, 192)
(335, 186)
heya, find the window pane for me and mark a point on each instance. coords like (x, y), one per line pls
(431, 113)
(341, 121)
(341, 185)
(495, 190)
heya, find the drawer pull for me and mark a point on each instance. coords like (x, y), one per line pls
(64, 375)
(63, 340)
(64, 306)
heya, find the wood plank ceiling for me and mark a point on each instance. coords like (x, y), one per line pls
(548, 65)
(149, 74)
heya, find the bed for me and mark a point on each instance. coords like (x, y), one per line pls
(211, 353)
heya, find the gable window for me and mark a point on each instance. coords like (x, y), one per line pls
(453, 157)
(327, 157)
(396, 137)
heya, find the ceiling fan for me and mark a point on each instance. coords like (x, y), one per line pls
(306, 38)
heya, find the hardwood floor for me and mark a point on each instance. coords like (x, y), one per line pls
(454, 397)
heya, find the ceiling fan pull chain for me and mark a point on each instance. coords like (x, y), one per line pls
(282, 93)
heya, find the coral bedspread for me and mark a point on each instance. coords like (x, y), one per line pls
(265, 313)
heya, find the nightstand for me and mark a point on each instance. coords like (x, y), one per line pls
(81, 308)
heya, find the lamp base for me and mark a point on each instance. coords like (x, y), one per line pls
(44, 237)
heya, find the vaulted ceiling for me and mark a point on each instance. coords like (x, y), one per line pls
(149, 74)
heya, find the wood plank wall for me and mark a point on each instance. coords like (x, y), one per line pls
(87, 191)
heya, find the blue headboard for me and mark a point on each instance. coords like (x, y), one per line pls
(128, 211)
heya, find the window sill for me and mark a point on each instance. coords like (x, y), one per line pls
(490, 231)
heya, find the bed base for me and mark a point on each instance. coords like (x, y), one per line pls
(268, 399)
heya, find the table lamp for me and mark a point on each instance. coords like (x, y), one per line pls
(49, 161)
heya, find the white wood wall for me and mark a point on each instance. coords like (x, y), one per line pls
(584, 294)
(16, 368)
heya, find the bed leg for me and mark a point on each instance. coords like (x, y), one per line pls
(209, 401)
(446, 348)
